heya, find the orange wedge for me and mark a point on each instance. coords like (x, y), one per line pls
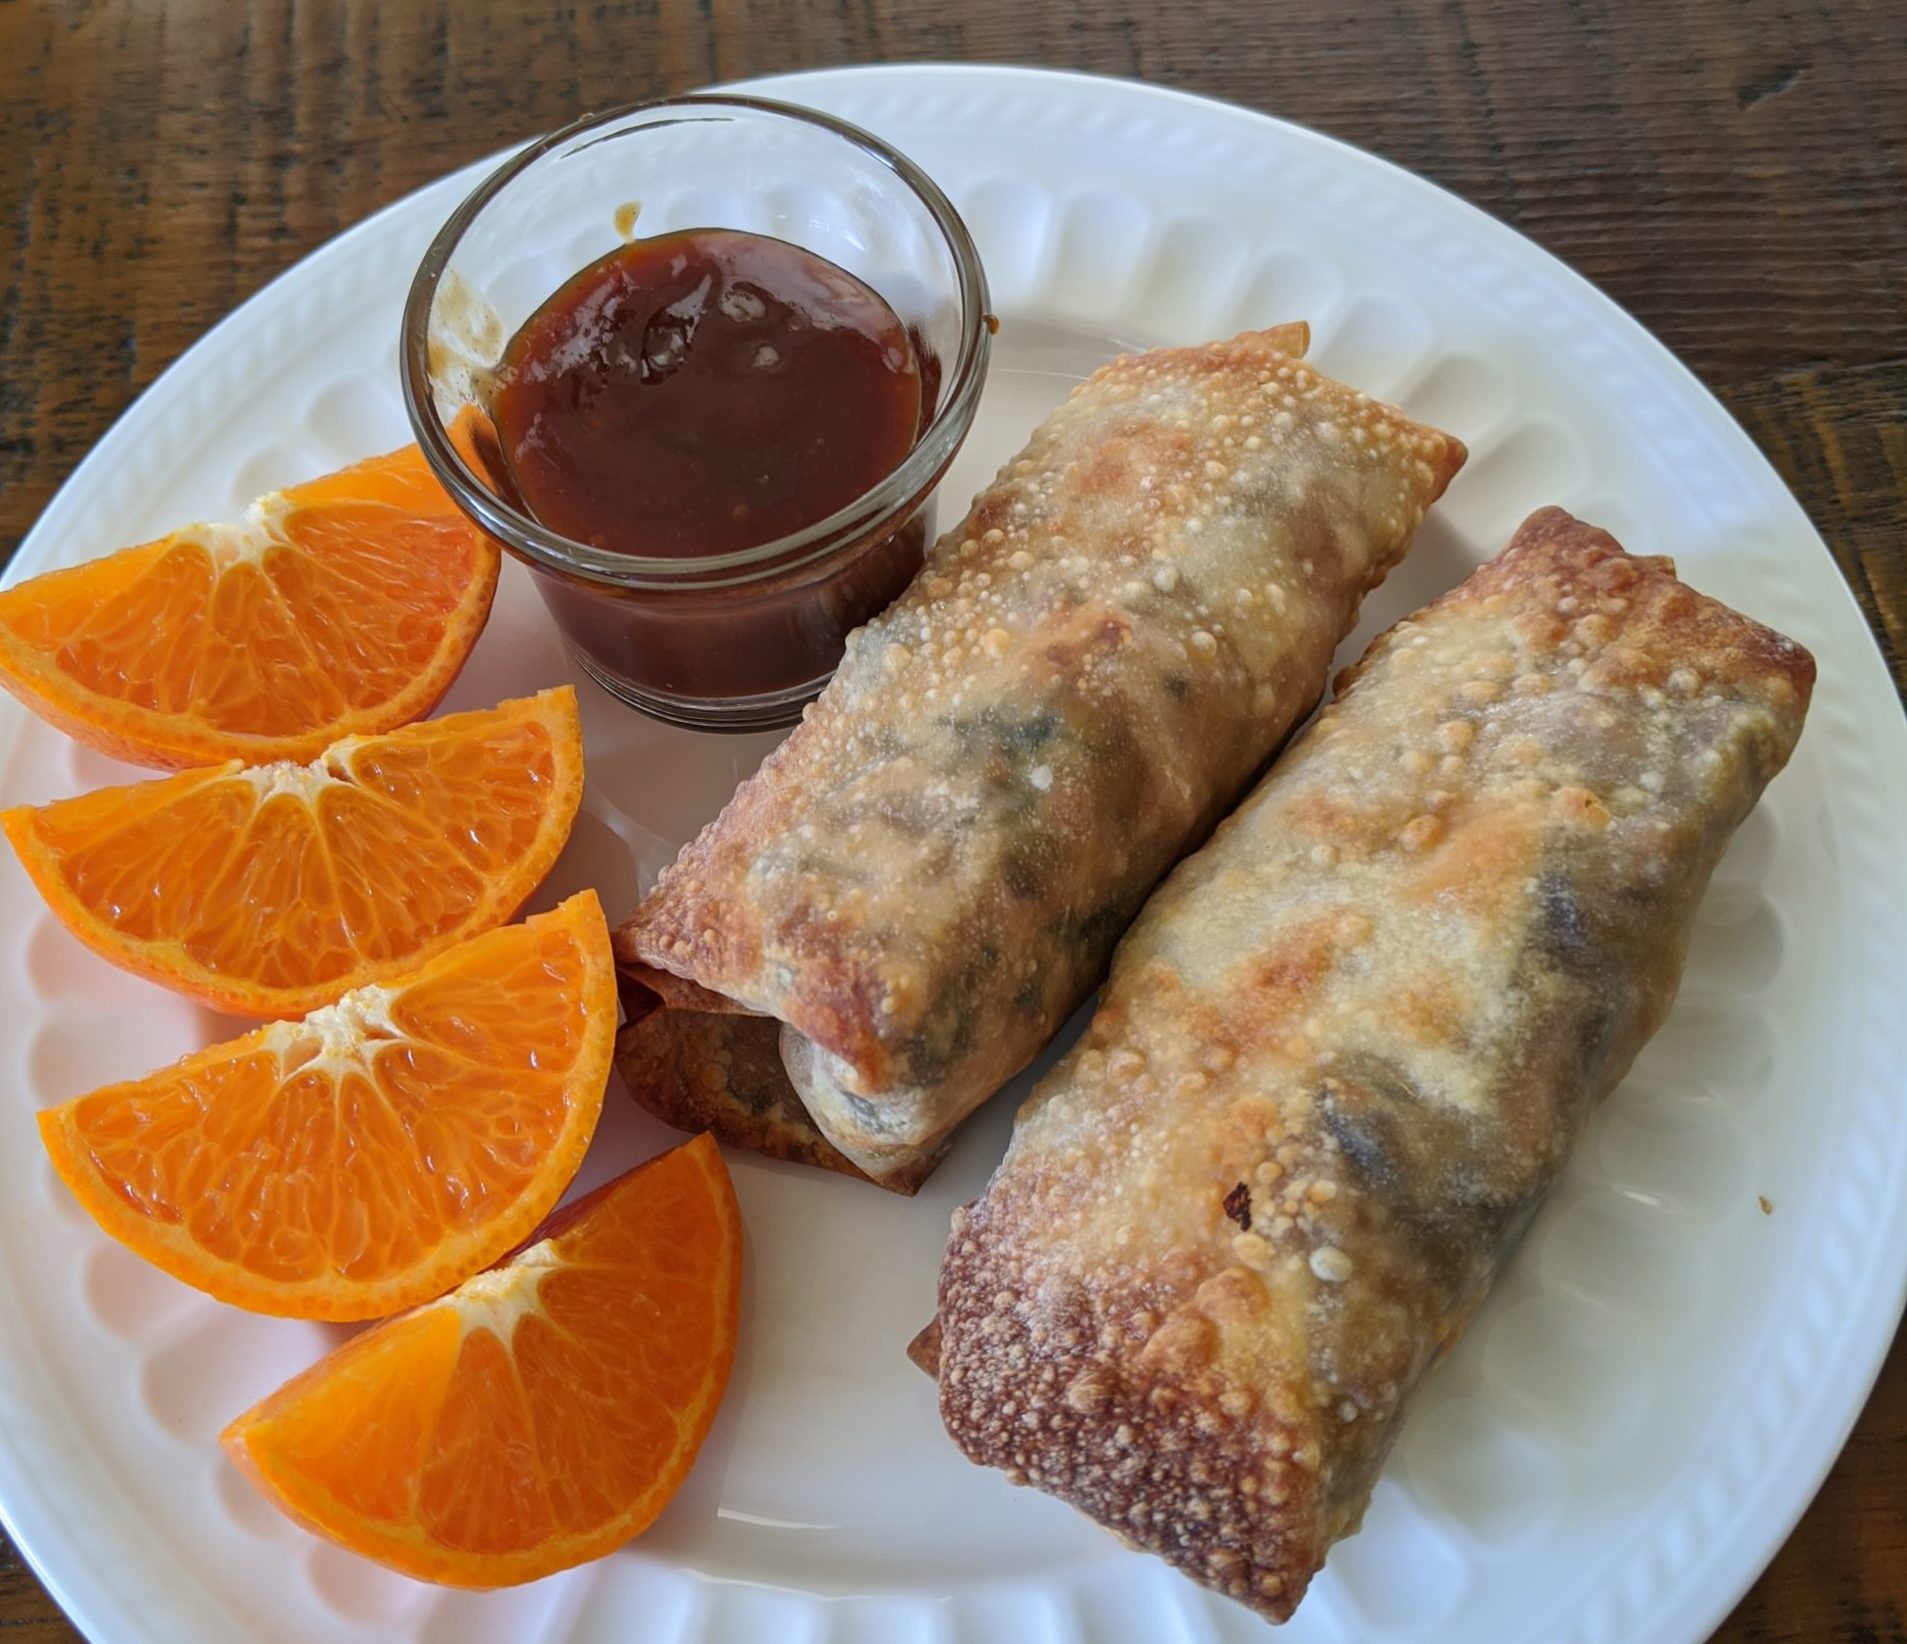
(272, 889)
(376, 1153)
(342, 607)
(538, 1416)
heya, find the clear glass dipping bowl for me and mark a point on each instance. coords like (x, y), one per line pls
(736, 641)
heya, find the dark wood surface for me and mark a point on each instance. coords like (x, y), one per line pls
(1735, 174)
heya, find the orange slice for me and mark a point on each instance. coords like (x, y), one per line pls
(539, 1415)
(341, 607)
(272, 889)
(374, 1154)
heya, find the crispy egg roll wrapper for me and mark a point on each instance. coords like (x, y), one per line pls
(1344, 1052)
(702, 1067)
(929, 875)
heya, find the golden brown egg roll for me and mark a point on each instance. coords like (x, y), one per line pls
(929, 875)
(1344, 1052)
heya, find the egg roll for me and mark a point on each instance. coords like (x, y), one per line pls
(1344, 1052)
(928, 876)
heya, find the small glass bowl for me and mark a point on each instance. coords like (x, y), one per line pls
(735, 641)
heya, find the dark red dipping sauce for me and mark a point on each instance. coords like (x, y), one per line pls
(706, 391)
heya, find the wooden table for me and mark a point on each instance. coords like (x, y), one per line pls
(1734, 172)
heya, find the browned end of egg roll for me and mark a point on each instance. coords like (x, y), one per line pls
(1345, 1050)
(703, 1065)
(929, 875)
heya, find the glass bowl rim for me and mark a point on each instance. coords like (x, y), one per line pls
(915, 474)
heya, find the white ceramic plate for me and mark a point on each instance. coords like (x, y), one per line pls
(1661, 1380)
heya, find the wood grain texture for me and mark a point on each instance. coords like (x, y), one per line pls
(1732, 171)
